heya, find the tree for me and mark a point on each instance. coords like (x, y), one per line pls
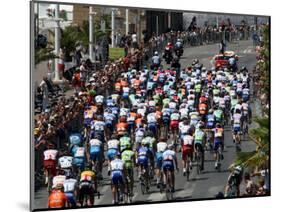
(260, 157)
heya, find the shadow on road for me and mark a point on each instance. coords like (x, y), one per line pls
(215, 171)
(183, 198)
(198, 179)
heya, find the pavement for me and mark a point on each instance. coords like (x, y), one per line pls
(209, 182)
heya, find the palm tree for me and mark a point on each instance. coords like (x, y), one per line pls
(260, 157)
(43, 54)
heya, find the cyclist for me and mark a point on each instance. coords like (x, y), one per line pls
(237, 120)
(161, 147)
(187, 143)
(199, 142)
(87, 186)
(169, 162)
(50, 161)
(128, 157)
(117, 178)
(218, 141)
(71, 190)
(57, 198)
(95, 149)
(234, 180)
(112, 149)
(125, 142)
(65, 163)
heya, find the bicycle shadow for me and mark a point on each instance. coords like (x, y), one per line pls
(198, 179)
(183, 198)
(215, 171)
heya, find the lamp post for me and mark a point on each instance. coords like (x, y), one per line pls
(57, 42)
(112, 27)
(127, 21)
(91, 33)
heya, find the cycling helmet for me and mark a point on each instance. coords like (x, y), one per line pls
(238, 169)
(155, 53)
(218, 125)
(210, 111)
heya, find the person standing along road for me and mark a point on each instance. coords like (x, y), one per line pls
(44, 87)
(222, 47)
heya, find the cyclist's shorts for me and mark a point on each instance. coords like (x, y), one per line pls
(117, 177)
(142, 160)
(159, 159)
(174, 124)
(51, 165)
(79, 162)
(111, 153)
(95, 155)
(109, 126)
(131, 125)
(217, 143)
(187, 150)
(236, 129)
(70, 198)
(210, 125)
(198, 146)
(245, 98)
(152, 127)
(168, 165)
(86, 188)
(166, 119)
(87, 122)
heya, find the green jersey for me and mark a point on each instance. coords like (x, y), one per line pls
(218, 114)
(127, 156)
(199, 136)
(125, 142)
(197, 88)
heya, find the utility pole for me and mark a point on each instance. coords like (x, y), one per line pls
(57, 42)
(157, 27)
(113, 28)
(127, 22)
(169, 20)
(91, 32)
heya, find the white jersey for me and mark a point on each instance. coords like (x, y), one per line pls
(187, 140)
(184, 112)
(99, 99)
(95, 142)
(65, 162)
(80, 152)
(194, 115)
(142, 111)
(169, 155)
(183, 128)
(50, 154)
(175, 116)
(70, 185)
(237, 119)
(126, 90)
(222, 102)
(58, 180)
(172, 105)
(161, 146)
(113, 144)
(99, 125)
(124, 111)
(238, 106)
(245, 107)
(151, 118)
(117, 165)
(246, 91)
(151, 103)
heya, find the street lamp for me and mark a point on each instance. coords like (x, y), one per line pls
(113, 27)
(91, 32)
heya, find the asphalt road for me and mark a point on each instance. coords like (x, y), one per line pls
(209, 182)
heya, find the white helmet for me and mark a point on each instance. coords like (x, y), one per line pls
(155, 53)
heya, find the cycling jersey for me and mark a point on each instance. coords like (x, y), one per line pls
(151, 118)
(127, 156)
(99, 99)
(87, 176)
(65, 162)
(58, 180)
(57, 199)
(218, 132)
(198, 136)
(70, 185)
(175, 116)
(125, 142)
(99, 126)
(161, 146)
(187, 140)
(218, 114)
(50, 154)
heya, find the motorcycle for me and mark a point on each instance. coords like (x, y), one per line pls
(168, 56)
